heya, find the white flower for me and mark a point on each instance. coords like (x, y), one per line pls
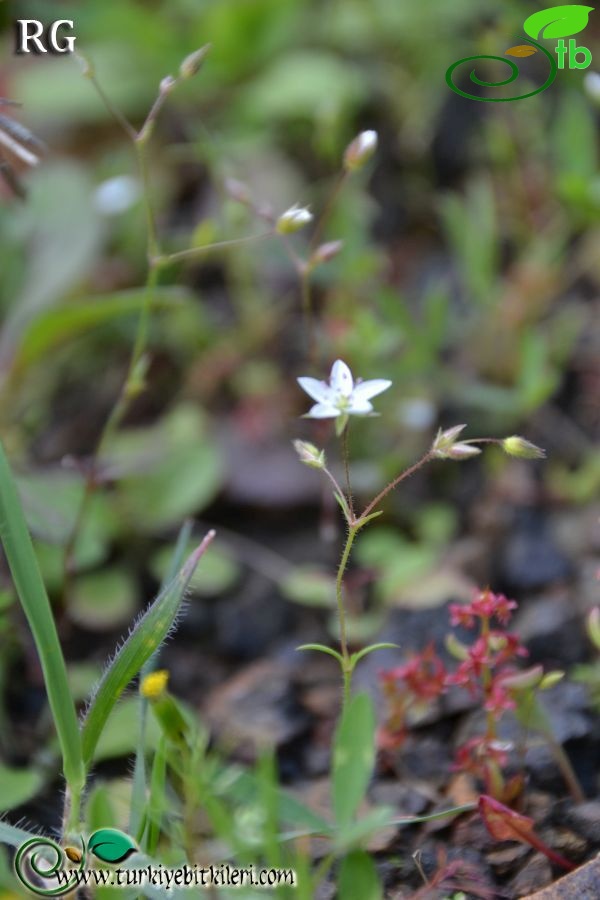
(293, 219)
(341, 396)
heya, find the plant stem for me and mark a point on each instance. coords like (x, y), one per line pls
(339, 593)
(344, 501)
(196, 252)
(346, 458)
(393, 484)
(329, 205)
(307, 311)
(564, 764)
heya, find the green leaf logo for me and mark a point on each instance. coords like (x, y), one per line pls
(111, 845)
(558, 22)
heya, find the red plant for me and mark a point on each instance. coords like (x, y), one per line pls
(505, 824)
(482, 668)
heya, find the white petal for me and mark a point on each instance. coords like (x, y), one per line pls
(318, 390)
(365, 390)
(341, 379)
(322, 411)
(359, 407)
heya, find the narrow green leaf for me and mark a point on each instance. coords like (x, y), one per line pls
(294, 812)
(13, 836)
(144, 639)
(365, 521)
(54, 326)
(32, 594)
(321, 648)
(358, 879)
(353, 758)
(343, 505)
(558, 21)
(356, 657)
(138, 789)
(431, 817)
(355, 833)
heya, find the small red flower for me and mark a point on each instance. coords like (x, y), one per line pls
(462, 614)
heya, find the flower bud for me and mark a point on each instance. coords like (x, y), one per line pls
(326, 252)
(310, 455)
(523, 681)
(455, 647)
(460, 452)
(445, 439)
(518, 446)
(192, 64)
(360, 151)
(293, 219)
(550, 679)
(167, 84)
(153, 686)
(87, 69)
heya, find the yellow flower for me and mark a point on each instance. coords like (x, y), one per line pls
(153, 686)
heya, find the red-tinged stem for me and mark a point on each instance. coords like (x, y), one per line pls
(390, 487)
(537, 843)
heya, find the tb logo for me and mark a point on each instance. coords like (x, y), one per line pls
(547, 24)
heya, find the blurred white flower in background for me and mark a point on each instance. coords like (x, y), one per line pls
(116, 195)
(591, 83)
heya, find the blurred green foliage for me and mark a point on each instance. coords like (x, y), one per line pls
(468, 273)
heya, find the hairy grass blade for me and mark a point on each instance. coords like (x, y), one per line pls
(138, 790)
(144, 639)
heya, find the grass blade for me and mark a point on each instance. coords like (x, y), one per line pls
(138, 790)
(144, 639)
(32, 594)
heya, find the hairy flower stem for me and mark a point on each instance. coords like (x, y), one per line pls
(354, 526)
(339, 593)
(396, 481)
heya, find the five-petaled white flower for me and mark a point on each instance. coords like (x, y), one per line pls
(341, 396)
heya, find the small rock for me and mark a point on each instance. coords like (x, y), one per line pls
(256, 708)
(582, 884)
(530, 559)
(503, 861)
(406, 800)
(552, 630)
(536, 873)
(585, 820)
